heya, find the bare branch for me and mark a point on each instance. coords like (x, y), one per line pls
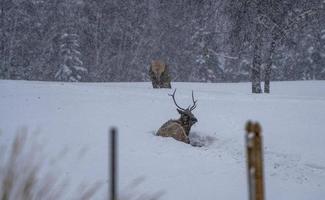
(222, 54)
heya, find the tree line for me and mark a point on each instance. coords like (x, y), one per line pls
(200, 40)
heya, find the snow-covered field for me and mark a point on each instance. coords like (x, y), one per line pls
(72, 120)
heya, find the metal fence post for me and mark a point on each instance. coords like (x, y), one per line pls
(254, 152)
(113, 166)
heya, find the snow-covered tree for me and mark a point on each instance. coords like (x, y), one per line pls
(322, 65)
(118, 39)
(71, 66)
(208, 68)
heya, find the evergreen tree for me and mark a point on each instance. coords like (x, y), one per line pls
(71, 68)
(118, 39)
(208, 68)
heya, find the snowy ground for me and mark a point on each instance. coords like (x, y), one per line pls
(72, 121)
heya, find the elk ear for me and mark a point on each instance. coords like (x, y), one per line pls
(180, 111)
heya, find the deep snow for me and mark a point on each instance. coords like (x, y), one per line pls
(72, 121)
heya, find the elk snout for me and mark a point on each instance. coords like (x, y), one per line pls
(193, 120)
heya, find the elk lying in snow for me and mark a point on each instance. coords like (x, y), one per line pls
(179, 129)
(159, 74)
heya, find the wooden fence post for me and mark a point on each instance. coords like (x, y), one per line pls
(254, 151)
(113, 166)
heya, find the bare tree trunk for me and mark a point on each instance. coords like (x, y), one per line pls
(257, 53)
(2, 46)
(268, 67)
(11, 49)
(257, 62)
(98, 37)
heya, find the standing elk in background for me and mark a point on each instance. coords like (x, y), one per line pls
(179, 129)
(159, 74)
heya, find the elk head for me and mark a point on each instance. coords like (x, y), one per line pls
(187, 119)
(158, 67)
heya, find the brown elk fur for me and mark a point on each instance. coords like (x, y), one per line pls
(158, 67)
(174, 129)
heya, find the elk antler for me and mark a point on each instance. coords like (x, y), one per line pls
(194, 102)
(173, 95)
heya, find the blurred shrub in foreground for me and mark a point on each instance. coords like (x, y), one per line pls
(24, 177)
